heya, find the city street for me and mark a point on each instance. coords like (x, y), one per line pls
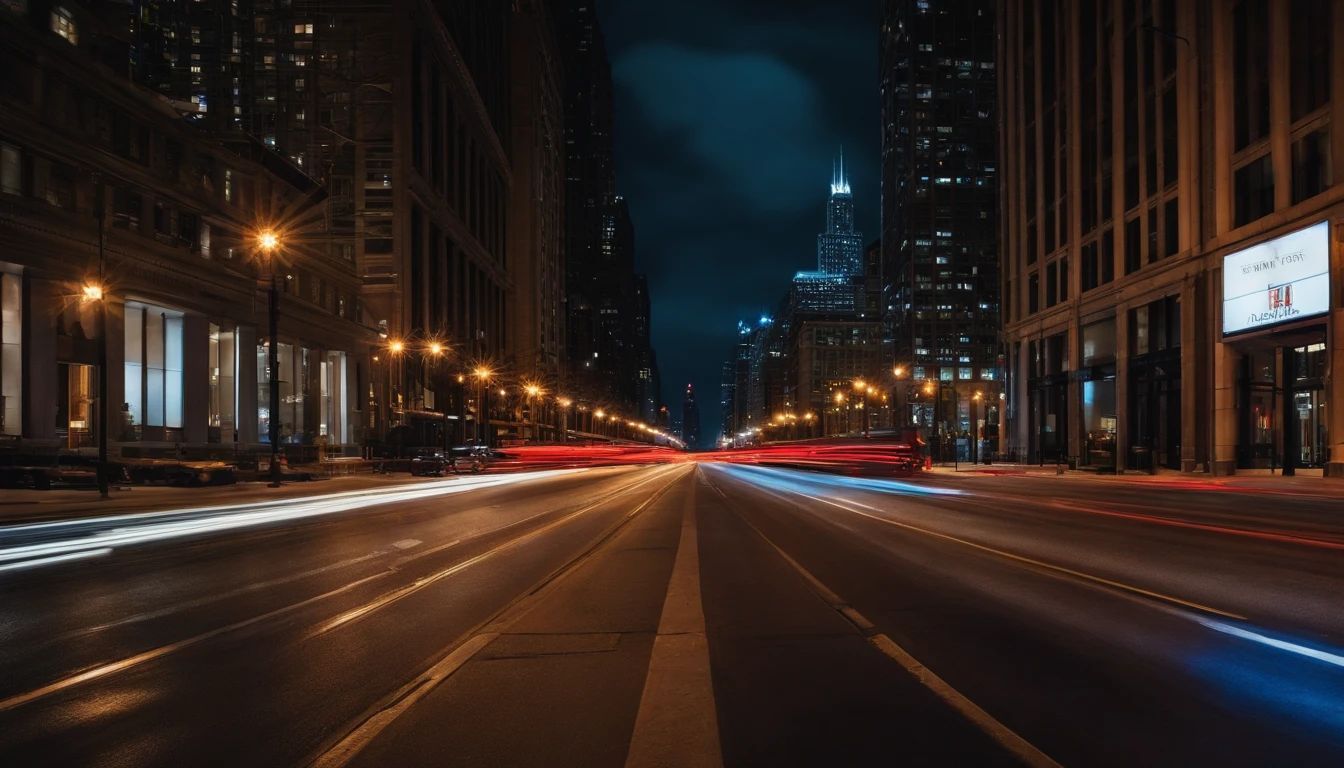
(684, 614)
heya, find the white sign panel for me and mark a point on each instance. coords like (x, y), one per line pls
(1278, 281)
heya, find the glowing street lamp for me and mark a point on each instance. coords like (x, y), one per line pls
(269, 242)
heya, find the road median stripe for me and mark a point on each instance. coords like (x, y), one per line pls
(677, 723)
(1000, 733)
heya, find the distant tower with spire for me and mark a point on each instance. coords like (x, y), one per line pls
(840, 248)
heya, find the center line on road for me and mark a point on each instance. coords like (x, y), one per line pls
(677, 723)
(1005, 736)
(103, 670)
(1030, 561)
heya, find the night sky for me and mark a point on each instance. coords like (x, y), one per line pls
(728, 115)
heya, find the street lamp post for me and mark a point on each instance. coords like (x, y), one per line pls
(97, 293)
(269, 242)
(564, 419)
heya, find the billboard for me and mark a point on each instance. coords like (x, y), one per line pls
(1278, 281)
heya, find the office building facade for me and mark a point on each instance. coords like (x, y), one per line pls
(1171, 275)
(939, 238)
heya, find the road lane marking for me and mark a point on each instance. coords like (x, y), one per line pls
(404, 699)
(117, 666)
(1057, 569)
(171, 609)
(383, 715)
(103, 670)
(677, 723)
(986, 722)
(1028, 560)
(1202, 526)
(401, 593)
(407, 543)
(1000, 733)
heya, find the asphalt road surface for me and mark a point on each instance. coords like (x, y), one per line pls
(684, 614)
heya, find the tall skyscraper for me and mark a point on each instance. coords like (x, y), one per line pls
(609, 352)
(836, 285)
(690, 421)
(840, 247)
(939, 255)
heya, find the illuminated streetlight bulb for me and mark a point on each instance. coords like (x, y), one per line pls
(533, 390)
(898, 371)
(268, 240)
(600, 413)
(396, 347)
(93, 292)
(436, 348)
(482, 373)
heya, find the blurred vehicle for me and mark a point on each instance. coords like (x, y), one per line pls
(470, 458)
(430, 464)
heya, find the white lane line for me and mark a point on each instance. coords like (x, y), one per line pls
(978, 717)
(197, 603)
(409, 694)
(117, 666)
(996, 730)
(677, 722)
(407, 543)
(109, 668)
(401, 593)
(366, 731)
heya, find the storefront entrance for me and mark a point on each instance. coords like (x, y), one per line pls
(1284, 407)
(74, 404)
(1155, 419)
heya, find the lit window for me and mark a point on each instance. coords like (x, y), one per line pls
(963, 373)
(303, 29)
(63, 24)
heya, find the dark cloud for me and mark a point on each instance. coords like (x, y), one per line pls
(728, 113)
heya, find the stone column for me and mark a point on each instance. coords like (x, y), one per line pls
(115, 329)
(42, 305)
(1335, 376)
(1121, 387)
(246, 417)
(1192, 396)
(1225, 363)
(195, 379)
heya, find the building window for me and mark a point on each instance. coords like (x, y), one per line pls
(1064, 279)
(228, 186)
(1309, 56)
(1311, 164)
(63, 24)
(964, 374)
(223, 385)
(1051, 284)
(1133, 246)
(154, 366)
(292, 378)
(11, 354)
(333, 400)
(1033, 293)
(1253, 188)
(1250, 71)
(11, 170)
(1171, 228)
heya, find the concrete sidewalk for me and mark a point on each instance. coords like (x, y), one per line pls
(1261, 482)
(29, 506)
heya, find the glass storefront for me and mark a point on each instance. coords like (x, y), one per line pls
(223, 385)
(1099, 412)
(1284, 406)
(153, 372)
(11, 354)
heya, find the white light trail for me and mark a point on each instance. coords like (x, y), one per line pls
(224, 518)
